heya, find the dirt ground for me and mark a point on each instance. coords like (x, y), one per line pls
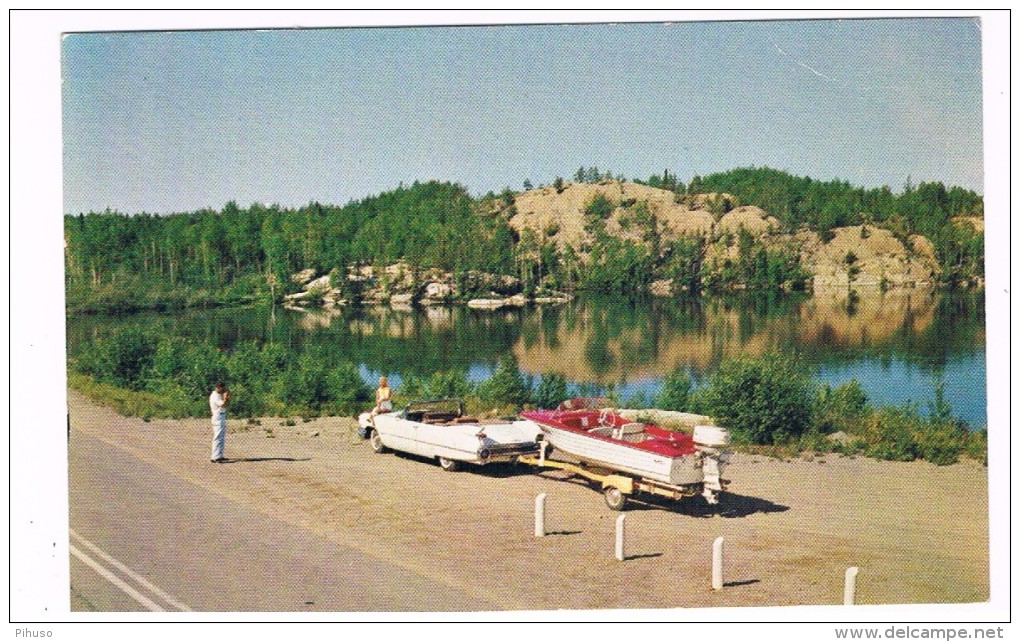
(918, 532)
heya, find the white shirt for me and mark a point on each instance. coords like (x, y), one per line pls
(216, 403)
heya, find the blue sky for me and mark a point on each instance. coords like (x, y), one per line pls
(173, 121)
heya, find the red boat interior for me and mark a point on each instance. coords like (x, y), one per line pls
(608, 426)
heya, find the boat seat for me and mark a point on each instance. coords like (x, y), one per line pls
(601, 431)
(632, 432)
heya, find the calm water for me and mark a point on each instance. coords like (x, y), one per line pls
(896, 344)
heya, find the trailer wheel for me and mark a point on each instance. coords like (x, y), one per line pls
(376, 441)
(449, 465)
(615, 498)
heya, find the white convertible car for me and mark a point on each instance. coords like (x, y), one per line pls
(438, 429)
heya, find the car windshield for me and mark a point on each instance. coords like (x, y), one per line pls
(453, 407)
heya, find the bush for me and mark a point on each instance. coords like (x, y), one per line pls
(122, 359)
(596, 211)
(550, 391)
(941, 444)
(976, 445)
(350, 393)
(840, 408)
(763, 400)
(676, 390)
(891, 434)
(194, 368)
(506, 385)
(305, 383)
(450, 383)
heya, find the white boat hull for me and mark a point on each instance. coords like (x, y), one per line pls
(677, 471)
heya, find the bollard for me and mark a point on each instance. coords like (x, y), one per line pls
(540, 515)
(849, 585)
(620, 530)
(717, 554)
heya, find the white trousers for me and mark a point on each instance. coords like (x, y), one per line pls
(219, 426)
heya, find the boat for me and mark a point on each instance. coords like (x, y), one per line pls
(602, 437)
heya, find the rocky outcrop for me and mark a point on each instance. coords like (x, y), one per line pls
(864, 256)
(317, 292)
(868, 256)
(437, 293)
(402, 286)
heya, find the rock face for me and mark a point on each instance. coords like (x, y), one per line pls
(317, 291)
(554, 300)
(868, 256)
(401, 285)
(487, 304)
(437, 292)
(877, 258)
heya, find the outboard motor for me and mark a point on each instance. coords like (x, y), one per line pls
(711, 442)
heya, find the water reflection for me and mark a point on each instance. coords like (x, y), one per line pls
(890, 339)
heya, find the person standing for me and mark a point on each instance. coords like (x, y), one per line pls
(218, 407)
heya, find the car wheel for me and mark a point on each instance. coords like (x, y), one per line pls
(449, 465)
(615, 498)
(376, 441)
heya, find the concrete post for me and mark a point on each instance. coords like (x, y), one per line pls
(717, 555)
(849, 585)
(540, 515)
(620, 534)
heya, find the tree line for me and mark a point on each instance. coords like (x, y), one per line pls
(237, 254)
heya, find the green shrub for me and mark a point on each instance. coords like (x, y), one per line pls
(763, 400)
(892, 433)
(506, 385)
(550, 391)
(596, 211)
(839, 408)
(122, 359)
(194, 368)
(675, 393)
(941, 444)
(639, 400)
(350, 392)
(976, 445)
(449, 383)
(305, 383)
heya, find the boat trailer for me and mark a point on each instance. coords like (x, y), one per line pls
(617, 486)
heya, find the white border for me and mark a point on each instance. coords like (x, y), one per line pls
(37, 356)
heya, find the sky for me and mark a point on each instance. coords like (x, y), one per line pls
(167, 121)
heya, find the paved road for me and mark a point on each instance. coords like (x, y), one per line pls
(143, 539)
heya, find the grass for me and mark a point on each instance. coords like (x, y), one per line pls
(126, 402)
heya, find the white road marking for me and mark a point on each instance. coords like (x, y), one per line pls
(116, 581)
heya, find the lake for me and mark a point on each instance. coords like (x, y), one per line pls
(897, 344)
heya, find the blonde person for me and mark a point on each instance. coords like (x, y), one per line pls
(383, 398)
